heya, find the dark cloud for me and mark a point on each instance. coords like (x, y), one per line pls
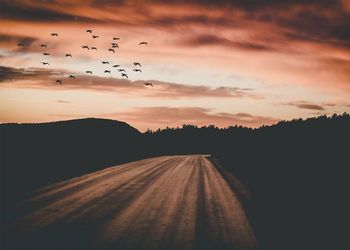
(305, 105)
(202, 40)
(45, 78)
(17, 10)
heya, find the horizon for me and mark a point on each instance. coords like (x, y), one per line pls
(182, 125)
(226, 63)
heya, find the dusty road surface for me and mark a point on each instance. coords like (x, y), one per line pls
(170, 202)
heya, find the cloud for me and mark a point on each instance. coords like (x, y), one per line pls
(205, 39)
(31, 11)
(62, 101)
(305, 105)
(46, 78)
(155, 117)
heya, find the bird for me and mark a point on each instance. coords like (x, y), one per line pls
(45, 63)
(71, 76)
(137, 70)
(88, 72)
(46, 54)
(105, 62)
(43, 45)
(116, 38)
(121, 70)
(94, 48)
(89, 31)
(116, 65)
(148, 84)
(125, 75)
(137, 64)
(68, 55)
(54, 34)
(20, 45)
(115, 45)
(85, 47)
(107, 71)
(95, 36)
(59, 81)
(143, 43)
(111, 50)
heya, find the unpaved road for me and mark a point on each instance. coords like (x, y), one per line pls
(170, 202)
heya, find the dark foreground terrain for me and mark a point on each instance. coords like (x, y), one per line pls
(174, 202)
(296, 173)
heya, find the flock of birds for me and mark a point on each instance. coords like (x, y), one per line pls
(114, 46)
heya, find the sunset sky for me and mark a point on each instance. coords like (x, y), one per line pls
(245, 62)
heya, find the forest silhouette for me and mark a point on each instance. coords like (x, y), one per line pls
(296, 171)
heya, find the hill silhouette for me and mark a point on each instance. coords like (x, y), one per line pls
(295, 170)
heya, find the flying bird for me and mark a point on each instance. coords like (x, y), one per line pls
(71, 76)
(43, 45)
(125, 75)
(89, 31)
(116, 65)
(68, 55)
(46, 54)
(121, 70)
(137, 70)
(95, 36)
(59, 81)
(45, 63)
(105, 62)
(115, 45)
(116, 38)
(94, 48)
(20, 45)
(54, 34)
(107, 71)
(148, 84)
(85, 47)
(111, 50)
(137, 64)
(143, 43)
(88, 72)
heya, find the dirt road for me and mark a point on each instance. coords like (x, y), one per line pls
(170, 202)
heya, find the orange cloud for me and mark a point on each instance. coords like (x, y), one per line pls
(161, 117)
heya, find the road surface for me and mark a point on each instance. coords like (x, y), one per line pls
(170, 202)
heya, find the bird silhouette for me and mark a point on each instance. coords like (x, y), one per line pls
(46, 54)
(95, 36)
(137, 70)
(116, 65)
(43, 46)
(121, 70)
(111, 50)
(107, 71)
(68, 55)
(54, 34)
(94, 48)
(72, 76)
(89, 31)
(85, 47)
(116, 38)
(105, 62)
(88, 72)
(137, 64)
(125, 75)
(143, 43)
(20, 45)
(45, 63)
(59, 81)
(148, 84)
(115, 45)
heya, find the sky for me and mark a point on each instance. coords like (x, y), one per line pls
(226, 63)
